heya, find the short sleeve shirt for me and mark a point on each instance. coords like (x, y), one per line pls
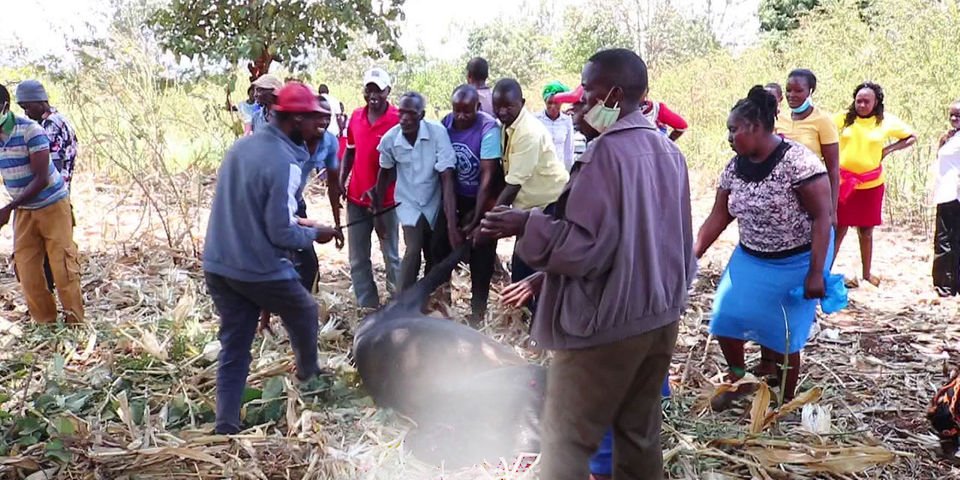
(811, 132)
(364, 139)
(530, 161)
(418, 168)
(21, 138)
(768, 212)
(862, 144)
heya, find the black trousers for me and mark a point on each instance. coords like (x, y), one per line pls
(305, 261)
(239, 305)
(946, 249)
(482, 260)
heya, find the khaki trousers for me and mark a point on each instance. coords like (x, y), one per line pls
(616, 384)
(49, 231)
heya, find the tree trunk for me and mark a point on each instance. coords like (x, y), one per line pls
(261, 65)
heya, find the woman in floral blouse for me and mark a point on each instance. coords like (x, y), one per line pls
(779, 193)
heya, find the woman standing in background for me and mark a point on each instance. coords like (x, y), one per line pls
(865, 135)
(811, 127)
(946, 246)
(559, 125)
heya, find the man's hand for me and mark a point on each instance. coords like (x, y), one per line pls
(325, 233)
(5, 215)
(343, 186)
(519, 294)
(371, 196)
(502, 222)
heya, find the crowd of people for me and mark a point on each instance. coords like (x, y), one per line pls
(605, 249)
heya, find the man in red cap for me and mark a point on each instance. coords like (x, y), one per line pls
(252, 229)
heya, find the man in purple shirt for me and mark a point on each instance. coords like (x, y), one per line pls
(475, 136)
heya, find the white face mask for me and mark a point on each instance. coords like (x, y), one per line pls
(601, 117)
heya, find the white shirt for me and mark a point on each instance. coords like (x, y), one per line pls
(561, 130)
(948, 172)
(335, 110)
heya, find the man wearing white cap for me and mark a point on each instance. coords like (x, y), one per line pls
(265, 96)
(361, 166)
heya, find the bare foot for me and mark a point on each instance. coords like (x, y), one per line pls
(873, 280)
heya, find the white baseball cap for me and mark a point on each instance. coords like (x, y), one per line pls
(378, 77)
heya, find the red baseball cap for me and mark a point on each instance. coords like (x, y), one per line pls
(296, 97)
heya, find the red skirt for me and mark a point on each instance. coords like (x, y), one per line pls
(864, 208)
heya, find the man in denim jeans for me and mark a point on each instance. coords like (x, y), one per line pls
(253, 226)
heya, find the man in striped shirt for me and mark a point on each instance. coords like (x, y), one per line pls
(42, 224)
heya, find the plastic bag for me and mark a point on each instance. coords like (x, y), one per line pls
(836, 294)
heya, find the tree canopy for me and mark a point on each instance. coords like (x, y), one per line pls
(263, 31)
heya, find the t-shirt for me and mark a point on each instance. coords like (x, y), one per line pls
(22, 137)
(364, 139)
(663, 117)
(531, 162)
(862, 143)
(486, 100)
(479, 142)
(324, 157)
(335, 111)
(947, 187)
(768, 211)
(811, 132)
(246, 111)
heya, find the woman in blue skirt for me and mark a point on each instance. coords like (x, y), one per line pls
(779, 193)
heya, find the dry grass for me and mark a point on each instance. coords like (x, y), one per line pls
(131, 394)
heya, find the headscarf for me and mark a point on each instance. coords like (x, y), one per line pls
(552, 89)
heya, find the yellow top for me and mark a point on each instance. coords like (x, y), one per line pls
(812, 132)
(530, 161)
(862, 143)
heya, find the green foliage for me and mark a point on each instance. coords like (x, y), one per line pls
(783, 15)
(911, 56)
(587, 32)
(234, 30)
(674, 38)
(514, 48)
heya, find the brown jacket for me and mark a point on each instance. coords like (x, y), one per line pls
(619, 253)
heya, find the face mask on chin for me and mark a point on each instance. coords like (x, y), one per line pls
(806, 105)
(601, 117)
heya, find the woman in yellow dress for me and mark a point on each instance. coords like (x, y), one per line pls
(867, 136)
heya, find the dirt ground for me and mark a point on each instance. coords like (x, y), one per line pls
(878, 362)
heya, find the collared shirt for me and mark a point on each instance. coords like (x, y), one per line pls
(63, 143)
(531, 162)
(561, 130)
(324, 157)
(364, 139)
(22, 137)
(618, 253)
(418, 167)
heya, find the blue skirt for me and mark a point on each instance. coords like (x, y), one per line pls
(753, 301)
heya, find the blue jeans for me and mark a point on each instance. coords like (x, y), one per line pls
(358, 246)
(601, 463)
(239, 305)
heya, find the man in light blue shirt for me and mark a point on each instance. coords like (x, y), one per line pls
(417, 154)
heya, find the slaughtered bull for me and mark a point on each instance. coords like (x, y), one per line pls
(472, 398)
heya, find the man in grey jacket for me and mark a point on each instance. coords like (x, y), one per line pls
(616, 263)
(251, 230)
